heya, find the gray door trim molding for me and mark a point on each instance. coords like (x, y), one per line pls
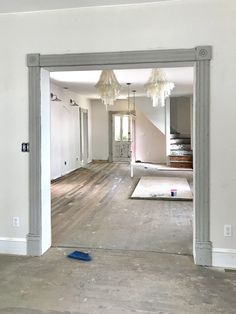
(131, 57)
(34, 237)
(199, 57)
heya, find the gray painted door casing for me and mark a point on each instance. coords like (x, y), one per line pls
(198, 57)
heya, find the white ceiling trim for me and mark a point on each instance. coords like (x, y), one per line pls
(20, 6)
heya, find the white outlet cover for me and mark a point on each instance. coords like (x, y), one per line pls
(16, 221)
(227, 230)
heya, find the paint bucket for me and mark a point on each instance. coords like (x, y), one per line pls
(173, 192)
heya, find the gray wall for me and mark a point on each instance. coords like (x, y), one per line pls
(180, 114)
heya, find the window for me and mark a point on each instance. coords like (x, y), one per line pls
(122, 128)
(117, 128)
(125, 128)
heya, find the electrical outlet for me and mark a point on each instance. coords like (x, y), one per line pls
(16, 221)
(228, 230)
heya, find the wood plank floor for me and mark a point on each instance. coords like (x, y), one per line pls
(91, 208)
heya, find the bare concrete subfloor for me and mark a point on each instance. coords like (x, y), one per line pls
(114, 282)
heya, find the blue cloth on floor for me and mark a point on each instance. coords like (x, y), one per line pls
(80, 256)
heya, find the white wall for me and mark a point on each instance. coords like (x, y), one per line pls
(150, 141)
(65, 131)
(45, 161)
(100, 140)
(155, 114)
(65, 134)
(180, 114)
(168, 24)
(100, 127)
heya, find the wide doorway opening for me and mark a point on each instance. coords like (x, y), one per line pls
(93, 205)
(39, 238)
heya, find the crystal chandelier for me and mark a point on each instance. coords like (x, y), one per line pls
(158, 88)
(108, 87)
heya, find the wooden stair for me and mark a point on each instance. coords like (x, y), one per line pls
(181, 155)
(181, 161)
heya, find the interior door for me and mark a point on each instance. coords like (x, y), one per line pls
(65, 146)
(84, 136)
(121, 137)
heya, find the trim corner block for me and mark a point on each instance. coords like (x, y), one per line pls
(203, 252)
(203, 52)
(33, 60)
(34, 245)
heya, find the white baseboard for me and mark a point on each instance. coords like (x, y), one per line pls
(16, 246)
(224, 258)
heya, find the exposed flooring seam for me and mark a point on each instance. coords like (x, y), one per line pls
(119, 250)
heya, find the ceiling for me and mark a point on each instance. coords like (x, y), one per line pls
(83, 82)
(14, 6)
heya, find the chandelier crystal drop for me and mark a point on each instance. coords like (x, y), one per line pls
(158, 88)
(108, 87)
